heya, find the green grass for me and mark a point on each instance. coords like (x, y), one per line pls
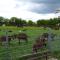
(17, 50)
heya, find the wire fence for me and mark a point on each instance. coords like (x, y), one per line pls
(14, 52)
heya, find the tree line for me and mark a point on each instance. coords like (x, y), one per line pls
(14, 21)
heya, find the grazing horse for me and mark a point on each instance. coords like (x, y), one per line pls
(3, 39)
(21, 36)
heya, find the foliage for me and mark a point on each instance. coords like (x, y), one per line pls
(14, 21)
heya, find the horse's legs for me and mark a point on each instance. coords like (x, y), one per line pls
(19, 41)
(34, 49)
(1, 43)
(9, 40)
(44, 45)
(26, 40)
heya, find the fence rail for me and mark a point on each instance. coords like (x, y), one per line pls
(37, 55)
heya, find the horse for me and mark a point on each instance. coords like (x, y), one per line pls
(45, 35)
(42, 41)
(39, 44)
(22, 36)
(4, 39)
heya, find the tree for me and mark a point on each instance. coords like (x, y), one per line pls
(24, 22)
(13, 21)
(1, 20)
(6, 22)
(19, 22)
(30, 23)
(42, 23)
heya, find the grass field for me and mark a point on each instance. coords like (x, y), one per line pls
(17, 50)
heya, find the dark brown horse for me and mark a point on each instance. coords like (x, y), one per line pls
(22, 36)
(40, 43)
(3, 39)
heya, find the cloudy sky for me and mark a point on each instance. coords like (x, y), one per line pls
(29, 9)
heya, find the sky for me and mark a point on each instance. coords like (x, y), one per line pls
(29, 9)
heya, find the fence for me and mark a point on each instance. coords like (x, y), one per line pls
(8, 54)
(24, 52)
(35, 56)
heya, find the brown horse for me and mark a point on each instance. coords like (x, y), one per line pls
(40, 43)
(22, 36)
(3, 39)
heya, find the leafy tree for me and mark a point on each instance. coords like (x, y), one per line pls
(1, 20)
(6, 22)
(30, 23)
(38, 23)
(42, 23)
(24, 22)
(19, 22)
(13, 21)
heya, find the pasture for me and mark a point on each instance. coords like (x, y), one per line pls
(16, 50)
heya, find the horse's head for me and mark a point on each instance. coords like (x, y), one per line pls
(45, 35)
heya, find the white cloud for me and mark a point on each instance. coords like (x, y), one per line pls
(10, 8)
(7, 4)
